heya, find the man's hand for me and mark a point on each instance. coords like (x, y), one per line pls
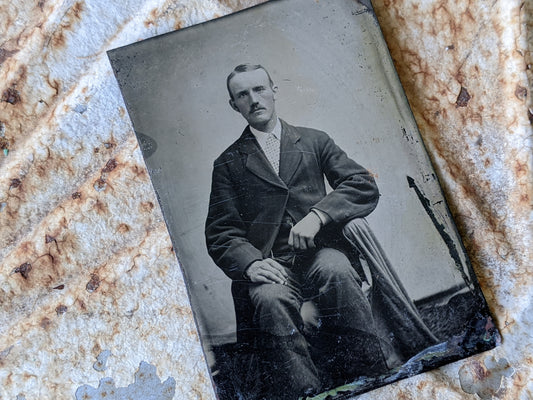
(302, 234)
(267, 271)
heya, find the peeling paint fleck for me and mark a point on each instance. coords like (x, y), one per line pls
(80, 108)
(100, 185)
(146, 386)
(101, 361)
(484, 378)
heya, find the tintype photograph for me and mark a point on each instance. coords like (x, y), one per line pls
(317, 248)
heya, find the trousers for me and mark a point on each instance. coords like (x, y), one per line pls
(343, 344)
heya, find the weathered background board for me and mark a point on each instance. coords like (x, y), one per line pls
(89, 287)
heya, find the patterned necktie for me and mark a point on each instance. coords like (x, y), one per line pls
(271, 150)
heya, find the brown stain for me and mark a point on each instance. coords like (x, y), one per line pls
(61, 309)
(463, 98)
(123, 228)
(4, 143)
(146, 206)
(110, 166)
(15, 183)
(520, 93)
(82, 305)
(97, 349)
(93, 283)
(521, 170)
(54, 84)
(24, 270)
(76, 195)
(5, 54)
(100, 207)
(139, 171)
(68, 22)
(45, 323)
(11, 95)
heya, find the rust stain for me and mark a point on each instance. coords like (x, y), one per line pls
(93, 283)
(5, 54)
(521, 169)
(24, 270)
(146, 206)
(463, 98)
(520, 92)
(69, 20)
(45, 323)
(15, 183)
(4, 143)
(123, 228)
(110, 166)
(100, 207)
(61, 309)
(11, 95)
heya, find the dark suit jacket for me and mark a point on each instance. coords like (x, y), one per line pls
(248, 199)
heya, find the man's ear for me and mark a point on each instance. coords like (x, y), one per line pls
(233, 105)
(275, 90)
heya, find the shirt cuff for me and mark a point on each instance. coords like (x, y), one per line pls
(324, 218)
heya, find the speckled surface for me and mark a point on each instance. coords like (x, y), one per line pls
(85, 260)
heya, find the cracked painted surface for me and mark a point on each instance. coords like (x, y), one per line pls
(146, 386)
(85, 260)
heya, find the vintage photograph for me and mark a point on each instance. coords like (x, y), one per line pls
(318, 251)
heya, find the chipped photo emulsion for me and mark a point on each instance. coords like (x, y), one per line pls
(318, 251)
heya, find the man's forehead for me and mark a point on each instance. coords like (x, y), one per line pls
(249, 79)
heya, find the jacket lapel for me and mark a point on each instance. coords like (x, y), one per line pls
(256, 161)
(291, 154)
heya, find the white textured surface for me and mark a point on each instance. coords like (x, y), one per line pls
(77, 218)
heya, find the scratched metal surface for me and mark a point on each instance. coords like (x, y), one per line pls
(85, 261)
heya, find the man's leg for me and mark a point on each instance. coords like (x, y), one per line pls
(287, 368)
(346, 341)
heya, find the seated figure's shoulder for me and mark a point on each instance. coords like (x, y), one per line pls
(311, 134)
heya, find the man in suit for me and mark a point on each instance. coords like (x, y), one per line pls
(270, 228)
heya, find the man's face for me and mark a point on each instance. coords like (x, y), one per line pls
(254, 98)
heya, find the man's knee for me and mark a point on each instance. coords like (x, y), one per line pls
(333, 264)
(272, 296)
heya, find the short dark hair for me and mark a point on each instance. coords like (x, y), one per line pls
(246, 68)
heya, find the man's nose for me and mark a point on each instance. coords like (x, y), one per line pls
(254, 98)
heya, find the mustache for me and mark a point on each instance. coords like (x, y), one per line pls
(254, 108)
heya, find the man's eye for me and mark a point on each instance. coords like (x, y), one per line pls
(241, 95)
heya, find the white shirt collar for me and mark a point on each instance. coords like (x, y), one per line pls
(261, 136)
